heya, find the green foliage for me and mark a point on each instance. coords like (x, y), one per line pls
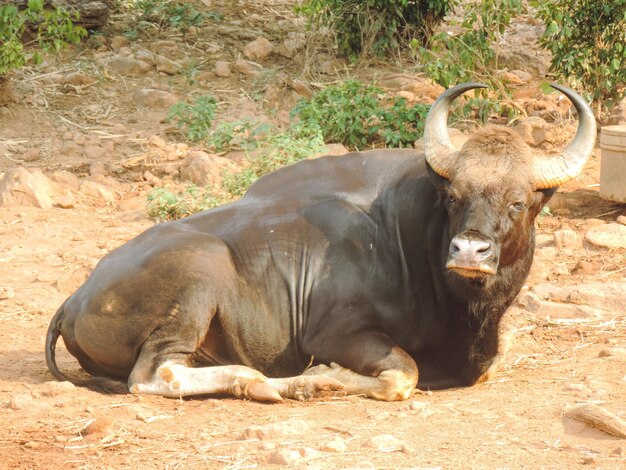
(377, 26)
(236, 135)
(53, 30)
(472, 54)
(355, 114)
(277, 150)
(587, 39)
(163, 204)
(173, 14)
(194, 119)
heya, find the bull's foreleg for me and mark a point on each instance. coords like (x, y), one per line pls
(177, 380)
(371, 364)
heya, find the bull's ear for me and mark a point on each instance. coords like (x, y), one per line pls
(438, 181)
(541, 198)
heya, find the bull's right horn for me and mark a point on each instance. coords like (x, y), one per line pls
(439, 151)
(550, 172)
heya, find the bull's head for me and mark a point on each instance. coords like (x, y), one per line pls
(495, 185)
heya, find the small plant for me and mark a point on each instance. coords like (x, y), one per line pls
(163, 204)
(277, 150)
(236, 135)
(53, 29)
(355, 114)
(587, 42)
(472, 54)
(174, 14)
(377, 27)
(194, 119)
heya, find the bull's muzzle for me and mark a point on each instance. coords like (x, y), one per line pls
(471, 256)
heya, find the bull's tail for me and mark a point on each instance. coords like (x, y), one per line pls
(98, 384)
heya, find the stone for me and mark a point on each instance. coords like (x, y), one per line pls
(119, 41)
(203, 169)
(167, 66)
(246, 68)
(99, 427)
(278, 429)
(94, 152)
(128, 66)
(153, 98)
(336, 445)
(258, 49)
(567, 238)
(222, 69)
(78, 79)
(612, 235)
(98, 192)
(387, 443)
(145, 56)
(331, 66)
(22, 187)
(284, 457)
(21, 401)
(622, 219)
(54, 388)
(533, 130)
(522, 75)
(31, 155)
(6, 293)
(294, 43)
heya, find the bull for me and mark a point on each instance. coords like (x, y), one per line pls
(369, 273)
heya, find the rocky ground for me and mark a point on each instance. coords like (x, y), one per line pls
(87, 139)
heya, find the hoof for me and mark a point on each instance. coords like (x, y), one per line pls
(261, 391)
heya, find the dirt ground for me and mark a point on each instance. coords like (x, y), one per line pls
(97, 132)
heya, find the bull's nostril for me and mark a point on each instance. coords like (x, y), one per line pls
(484, 249)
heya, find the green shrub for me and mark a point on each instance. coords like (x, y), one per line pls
(472, 54)
(587, 39)
(194, 119)
(236, 135)
(173, 14)
(53, 30)
(277, 150)
(163, 204)
(377, 26)
(355, 114)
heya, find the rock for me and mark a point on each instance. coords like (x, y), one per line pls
(94, 152)
(54, 388)
(145, 56)
(593, 300)
(509, 78)
(21, 401)
(128, 66)
(203, 169)
(424, 89)
(274, 430)
(6, 293)
(336, 445)
(622, 219)
(611, 235)
(619, 353)
(99, 427)
(69, 281)
(567, 239)
(284, 457)
(165, 65)
(246, 68)
(100, 193)
(522, 75)
(21, 187)
(65, 178)
(119, 41)
(535, 62)
(331, 66)
(598, 418)
(153, 98)
(78, 79)
(294, 43)
(222, 69)
(31, 155)
(92, 14)
(533, 130)
(618, 116)
(387, 443)
(258, 49)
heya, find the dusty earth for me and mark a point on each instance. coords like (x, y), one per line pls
(79, 119)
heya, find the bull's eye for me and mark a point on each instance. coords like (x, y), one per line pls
(517, 206)
(451, 199)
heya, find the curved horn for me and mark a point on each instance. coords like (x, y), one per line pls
(550, 172)
(440, 153)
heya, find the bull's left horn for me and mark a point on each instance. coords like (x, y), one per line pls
(439, 151)
(550, 172)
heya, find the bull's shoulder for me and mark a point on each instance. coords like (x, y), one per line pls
(332, 175)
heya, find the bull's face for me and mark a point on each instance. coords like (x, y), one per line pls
(494, 187)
